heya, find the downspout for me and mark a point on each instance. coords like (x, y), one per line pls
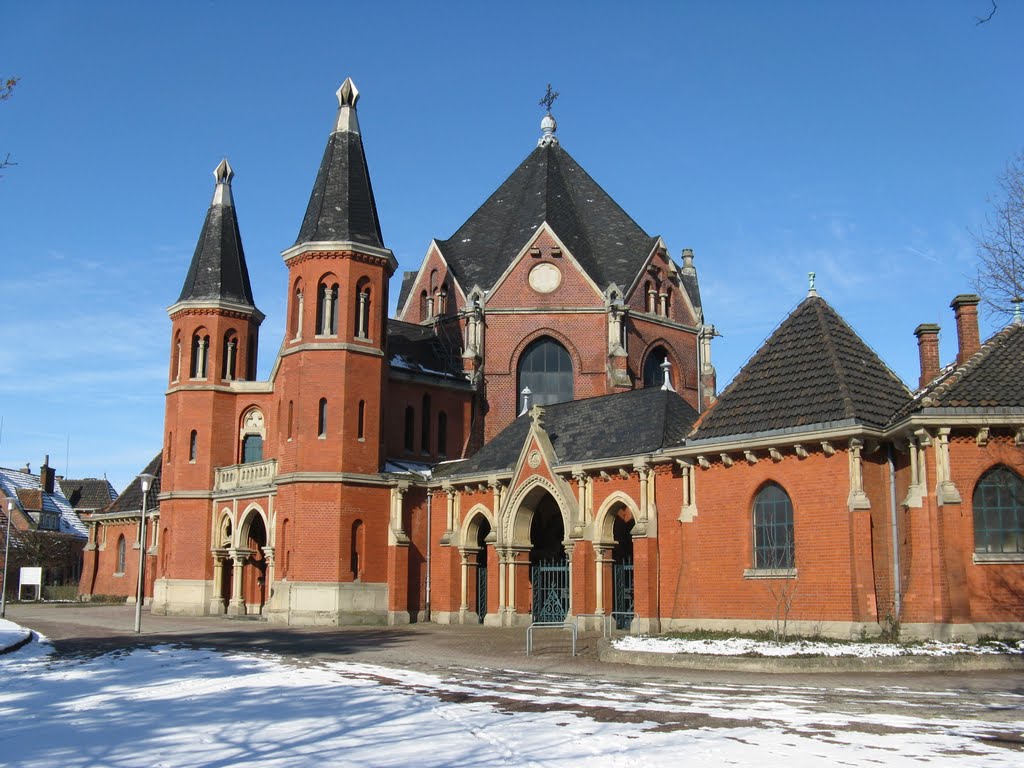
(430, 499)
(896, 581)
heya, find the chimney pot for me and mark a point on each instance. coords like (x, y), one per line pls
(965, 310)
(928, 350)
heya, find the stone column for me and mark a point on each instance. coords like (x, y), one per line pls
(361, 331)
(229, 363)
(217, 602)
(502, 586)
(568, 558)
(857, 498)
(268, 558)
(328, 316)
(299, 315)
(201, 359)
(464, 565)
(236, 607)
(945, 491)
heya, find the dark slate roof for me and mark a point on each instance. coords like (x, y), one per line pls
(419, 349)
(130, 499)
(624, 424)
(408, 280)
(814, 369)
(341, 205)
(991, 378)
(218, 269)
(688, 277)
(549, 185)
(88, 493)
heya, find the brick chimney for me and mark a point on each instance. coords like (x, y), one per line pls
(928, 349)
(965, 309)
(46, 476)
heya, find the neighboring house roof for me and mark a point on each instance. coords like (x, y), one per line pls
(631, 423)
(813, 370)
(25, 487)
(130, 499)
(548, 186)
(419, 349)
(341, 206)
(990, 379)
(89, 493)
(218, 270)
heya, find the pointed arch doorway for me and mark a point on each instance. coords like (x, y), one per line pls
(549, 565)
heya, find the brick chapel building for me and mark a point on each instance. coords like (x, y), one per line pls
(537, 435)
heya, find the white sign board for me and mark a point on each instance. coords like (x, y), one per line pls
(31, 577)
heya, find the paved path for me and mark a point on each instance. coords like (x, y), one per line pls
(490, 665)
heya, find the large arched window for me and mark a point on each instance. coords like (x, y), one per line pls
(654, 375)
(546, 368)
(773, 529)
(999, 512)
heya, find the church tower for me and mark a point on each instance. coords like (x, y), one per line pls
(333, 366)
(214, 338)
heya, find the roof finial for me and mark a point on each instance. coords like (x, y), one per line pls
(810, 288)
(223, 174)
(347, 95)
(666, 369)
(548, 126)
(1017, 301)
(526, 401)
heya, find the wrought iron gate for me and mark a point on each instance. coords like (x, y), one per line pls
(622, 602)
(550, 579)
(481, 592)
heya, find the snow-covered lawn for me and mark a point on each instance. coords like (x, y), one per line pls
(171, 706)
(11, 634)
(739, 646)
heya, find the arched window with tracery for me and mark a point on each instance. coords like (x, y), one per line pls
(999, 513)
(546, 368)
(773, 529)
(654, 374)
(252, 433)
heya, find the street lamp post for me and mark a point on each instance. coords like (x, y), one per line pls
(7, 553)
(146, 480)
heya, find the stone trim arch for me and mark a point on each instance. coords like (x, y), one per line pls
(470, 525)
(224, 530)
(515, 527)
(574, 355)
(604, 521)
(242, 531)
(679, 382)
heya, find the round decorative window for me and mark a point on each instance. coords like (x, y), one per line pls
(544, 278)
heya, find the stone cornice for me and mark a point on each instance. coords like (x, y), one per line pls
(334, 477)
(344, 249)
(226, 308)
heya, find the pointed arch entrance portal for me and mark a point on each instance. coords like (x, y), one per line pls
(549, 566)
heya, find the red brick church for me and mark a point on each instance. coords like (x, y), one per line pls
(537, 435)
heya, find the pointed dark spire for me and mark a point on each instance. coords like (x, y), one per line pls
(341, 207)
(218, 271)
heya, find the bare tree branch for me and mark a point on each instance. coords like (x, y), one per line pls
(6, 88)
(1000, 244)
(990, 15)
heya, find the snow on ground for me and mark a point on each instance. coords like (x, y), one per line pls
(739, 646)
(167, 706)
(11, 634)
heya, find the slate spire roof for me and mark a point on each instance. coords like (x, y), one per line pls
(549, 186)
(813, 370)
(130, 499)
(990, 379)
(218, 270)
(341, 206)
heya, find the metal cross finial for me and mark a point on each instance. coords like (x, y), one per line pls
(1017, 301)
(549, 99)
(811, 290)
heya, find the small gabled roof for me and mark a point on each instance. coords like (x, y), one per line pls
(218, 271)
(813, 370)
(408, 281)
(341, 206)
(990, 379)
(27, 488)
(632, 423)
(548, 186)
(88, 493)
(130, 499)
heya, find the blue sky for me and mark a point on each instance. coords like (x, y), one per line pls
(857, 140)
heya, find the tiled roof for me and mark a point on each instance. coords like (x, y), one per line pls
(419, 349)
(13, 483)
(218, 269)
(88, 493)
(341, 206)
(991, 378)
(813, 370)
(549, 185)
(130, 499)
(624, 424)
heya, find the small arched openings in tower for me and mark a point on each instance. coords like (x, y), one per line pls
(410, 427)
(362, 308)
(361, 422)
(327, 306)
(176, 356)
(297, 311)
(230, 363)
(442, 434)
(200, 353)
(321, 419)
(425, 426)
(357, 548)
(424, 307)
(291, 418)
(193, 446)
(650, 296)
